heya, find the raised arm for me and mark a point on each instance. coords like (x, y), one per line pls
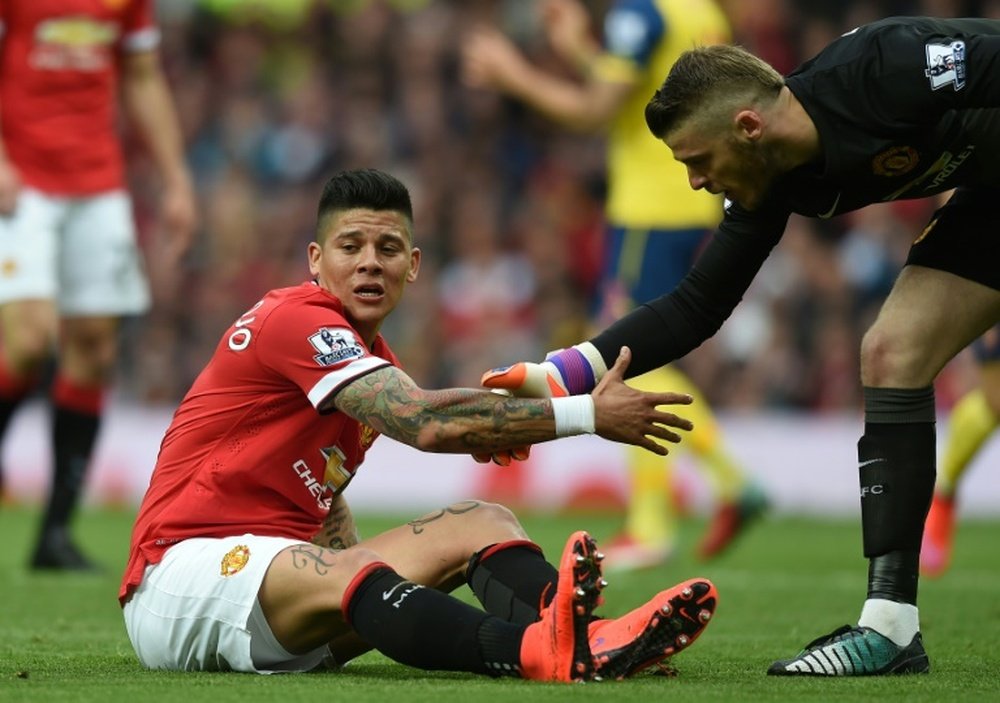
(491, 60)
(462, 420)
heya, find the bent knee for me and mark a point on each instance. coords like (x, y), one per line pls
(358, 559)
(28, 349)
(894, 361)
(498, 520)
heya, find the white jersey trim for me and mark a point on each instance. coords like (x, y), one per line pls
(333, 381)
(142, 40)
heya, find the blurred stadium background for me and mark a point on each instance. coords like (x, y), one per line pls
(276, 94)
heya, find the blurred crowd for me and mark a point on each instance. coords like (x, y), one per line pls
(274, 95)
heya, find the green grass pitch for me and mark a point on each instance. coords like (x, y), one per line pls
(786, 582)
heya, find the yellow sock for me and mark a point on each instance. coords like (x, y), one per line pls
(651, 516)
(971, 423)
(727, 479)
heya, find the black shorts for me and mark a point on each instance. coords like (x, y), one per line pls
(987, 347)
(963, 237)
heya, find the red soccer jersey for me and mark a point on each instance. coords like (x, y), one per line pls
(256, 445)
(59, 66)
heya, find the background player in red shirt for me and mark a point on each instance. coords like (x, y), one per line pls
(69, 263)
(244, 554)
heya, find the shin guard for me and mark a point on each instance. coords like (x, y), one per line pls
(512, 580)
(896, 459)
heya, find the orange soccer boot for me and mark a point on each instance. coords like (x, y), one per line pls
(556, 648)
(668, 623)
(730, 521)
(939, 532)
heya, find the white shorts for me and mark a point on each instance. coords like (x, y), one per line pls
(80, 252)
(197, 610)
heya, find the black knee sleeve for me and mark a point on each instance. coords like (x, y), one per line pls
(512, 580)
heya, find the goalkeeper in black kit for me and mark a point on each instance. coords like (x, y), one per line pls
(899, 109)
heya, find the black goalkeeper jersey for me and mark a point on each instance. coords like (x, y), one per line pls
(905, 108)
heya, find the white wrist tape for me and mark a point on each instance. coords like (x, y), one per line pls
(574, 415)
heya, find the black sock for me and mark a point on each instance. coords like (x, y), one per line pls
(897, 468)
(425, 628)
(13, 391)
(512, 580)
(8, 406)
(73, 436)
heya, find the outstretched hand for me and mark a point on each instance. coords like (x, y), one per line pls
(624, 414)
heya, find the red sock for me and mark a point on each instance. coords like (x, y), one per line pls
(13, 387)
(87, 400)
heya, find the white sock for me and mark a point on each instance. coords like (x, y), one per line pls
(897, 621)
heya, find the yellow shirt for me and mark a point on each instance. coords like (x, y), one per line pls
(648, 189)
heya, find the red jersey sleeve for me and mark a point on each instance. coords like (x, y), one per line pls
(310, 343)
(139, 30)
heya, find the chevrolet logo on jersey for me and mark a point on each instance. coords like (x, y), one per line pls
(336, 476)
(77, 32)
(73, 44)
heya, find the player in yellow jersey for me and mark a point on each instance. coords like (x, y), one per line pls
(974, 418)
(656, 223)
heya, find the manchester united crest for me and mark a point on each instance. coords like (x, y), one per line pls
(235, 559)
(895, 161)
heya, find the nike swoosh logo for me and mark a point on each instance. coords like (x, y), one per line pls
(829, 213)
(863, 464)
(386, 595)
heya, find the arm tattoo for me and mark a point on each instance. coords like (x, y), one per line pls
(338, 531)
(457, 509)
(459, 419)
(317, 558)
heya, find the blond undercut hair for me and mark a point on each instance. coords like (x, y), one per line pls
(707, 84)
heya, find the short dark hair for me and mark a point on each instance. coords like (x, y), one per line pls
(708, 78)
(362, 188)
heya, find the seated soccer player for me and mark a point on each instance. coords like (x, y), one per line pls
(245, 556)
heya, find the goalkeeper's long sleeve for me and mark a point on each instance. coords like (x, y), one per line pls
(667, 328)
